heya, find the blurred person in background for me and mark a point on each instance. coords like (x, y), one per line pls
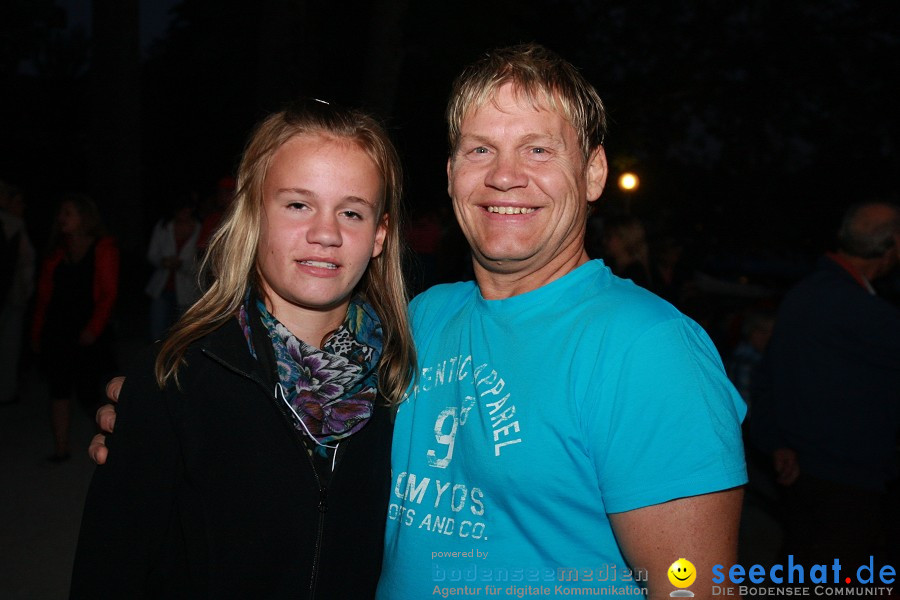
(671, 274)
(212, 211)
(830, 410)
(744, 363)
(423, 237)
(16, 285)
(625, 249)
(172, 251)
(76, 293)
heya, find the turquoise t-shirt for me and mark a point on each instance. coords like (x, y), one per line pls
(532, 418)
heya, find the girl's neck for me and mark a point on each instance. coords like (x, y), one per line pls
(311, 326)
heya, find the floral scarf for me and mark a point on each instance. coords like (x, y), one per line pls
(332, 390)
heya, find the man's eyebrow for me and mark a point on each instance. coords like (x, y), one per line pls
(528, 138)
(474, 137)
(542, 137)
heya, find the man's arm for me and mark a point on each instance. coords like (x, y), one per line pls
(106, 420)
(702, 529)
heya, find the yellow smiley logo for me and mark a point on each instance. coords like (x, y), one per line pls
(682, 573)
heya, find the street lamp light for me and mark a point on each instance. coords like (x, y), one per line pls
(628, 182)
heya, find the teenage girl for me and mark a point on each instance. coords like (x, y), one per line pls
(251, 457)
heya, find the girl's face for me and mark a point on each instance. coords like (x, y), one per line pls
(68, 219)
(319, 226)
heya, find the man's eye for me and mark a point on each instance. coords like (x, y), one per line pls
(480, 150)
(539, 150)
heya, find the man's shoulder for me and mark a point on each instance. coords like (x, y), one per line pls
(445, 291)
(627, 306)
(442, 295)
(622, 315)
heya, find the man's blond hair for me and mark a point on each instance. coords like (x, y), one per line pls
(540, 76)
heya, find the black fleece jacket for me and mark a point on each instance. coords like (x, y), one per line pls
(209, 492)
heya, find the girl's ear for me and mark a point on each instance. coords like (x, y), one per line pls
(380, 234)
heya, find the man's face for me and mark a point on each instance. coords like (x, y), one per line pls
(520, 190)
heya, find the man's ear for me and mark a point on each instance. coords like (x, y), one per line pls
(596, 173)
(449, 176)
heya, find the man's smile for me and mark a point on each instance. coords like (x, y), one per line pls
(510, 210)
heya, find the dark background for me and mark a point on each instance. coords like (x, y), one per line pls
(751, 124)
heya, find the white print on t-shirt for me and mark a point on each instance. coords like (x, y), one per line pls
(488, 389)
(465, 504)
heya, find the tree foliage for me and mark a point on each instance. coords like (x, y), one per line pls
(756, 119)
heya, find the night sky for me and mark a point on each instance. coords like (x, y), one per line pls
(751, 124)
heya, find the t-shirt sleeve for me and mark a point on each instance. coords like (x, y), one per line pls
(665, 423)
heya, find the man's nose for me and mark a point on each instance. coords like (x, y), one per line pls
(506, 173)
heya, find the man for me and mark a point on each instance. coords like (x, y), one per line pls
(562, 419)
(832, 414)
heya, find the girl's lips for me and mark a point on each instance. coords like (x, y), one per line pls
(318, 264)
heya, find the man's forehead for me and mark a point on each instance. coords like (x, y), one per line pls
(512, 94)
(514, 102)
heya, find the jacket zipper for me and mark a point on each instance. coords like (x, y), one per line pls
(323, 491)
(322, 507)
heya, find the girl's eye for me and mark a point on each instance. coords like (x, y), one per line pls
(353, 215)
(297, 205)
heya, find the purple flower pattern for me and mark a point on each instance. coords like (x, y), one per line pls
(332, 389)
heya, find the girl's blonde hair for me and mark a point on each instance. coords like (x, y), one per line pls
(231, 258)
